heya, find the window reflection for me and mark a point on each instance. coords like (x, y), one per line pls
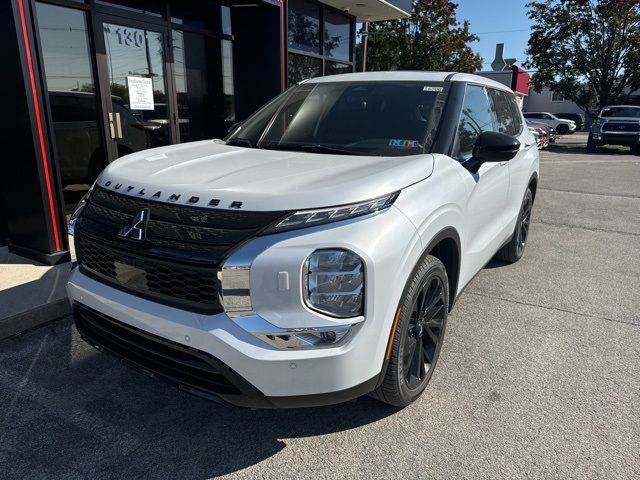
(301, 67)
(337, 35)
(72, 98)
(304, 26)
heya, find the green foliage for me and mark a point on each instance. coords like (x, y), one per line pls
(586, 50)
(432, 39)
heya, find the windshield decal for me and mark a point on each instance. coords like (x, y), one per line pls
(399, 143)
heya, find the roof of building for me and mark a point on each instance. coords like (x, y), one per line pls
(371, 10)
(410, 76)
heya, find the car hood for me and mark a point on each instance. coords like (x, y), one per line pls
(260, 180)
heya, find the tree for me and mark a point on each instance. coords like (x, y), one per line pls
(586, 50)
(431, 39)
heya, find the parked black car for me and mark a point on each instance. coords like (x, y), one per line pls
(576, 117)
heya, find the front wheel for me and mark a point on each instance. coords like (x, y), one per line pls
(417, 335)
(562, 129)
(513, 251)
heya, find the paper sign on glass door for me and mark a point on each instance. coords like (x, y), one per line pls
(140, 93)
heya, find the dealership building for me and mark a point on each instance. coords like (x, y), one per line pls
(88, 81)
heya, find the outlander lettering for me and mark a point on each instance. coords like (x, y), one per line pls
(312, 256)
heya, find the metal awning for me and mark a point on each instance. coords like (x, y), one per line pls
(372, 10)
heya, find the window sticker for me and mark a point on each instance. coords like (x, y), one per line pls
(399, 143)
(432, 89)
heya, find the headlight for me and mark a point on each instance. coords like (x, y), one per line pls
(333, 283)
(310, 218)
(71, 227)
(598, 123)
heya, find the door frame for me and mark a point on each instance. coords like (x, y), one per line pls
(103, 80)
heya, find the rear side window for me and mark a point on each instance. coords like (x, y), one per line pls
(476, 117)
(508, 118)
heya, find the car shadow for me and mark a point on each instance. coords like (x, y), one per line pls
(81, 409)
(601, 151)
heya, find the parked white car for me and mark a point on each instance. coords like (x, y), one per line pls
(562, 125)
(314, 255)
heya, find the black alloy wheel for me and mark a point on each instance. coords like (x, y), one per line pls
(416, 335)
(514, 249)
(424, 335)
(522, 232)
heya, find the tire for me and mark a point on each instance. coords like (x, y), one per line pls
(562, 129)
(513, 251)
(417, 335)
(592, 147)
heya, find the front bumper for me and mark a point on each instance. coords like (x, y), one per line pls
(266, 375)
(627, 139)
(189, 369)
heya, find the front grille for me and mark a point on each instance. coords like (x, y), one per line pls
(621, 127)
(178, 261)
(178, 363)
(190, 287)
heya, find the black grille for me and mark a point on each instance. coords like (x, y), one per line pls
(177, 263)
(186, 366)
(188, 286)
(621, 127)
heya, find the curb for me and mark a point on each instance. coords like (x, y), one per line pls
(34, 318)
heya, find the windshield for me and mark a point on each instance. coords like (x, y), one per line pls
(347, 118)
(621, 112)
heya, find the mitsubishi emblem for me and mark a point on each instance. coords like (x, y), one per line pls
(136, 231)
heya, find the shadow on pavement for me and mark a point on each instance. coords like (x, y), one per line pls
(70, 411)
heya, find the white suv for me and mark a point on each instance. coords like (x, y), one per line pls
(313, 256)
(562, 125)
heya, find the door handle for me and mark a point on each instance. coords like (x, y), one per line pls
(115, 125)
(118, 125)
(112, 127)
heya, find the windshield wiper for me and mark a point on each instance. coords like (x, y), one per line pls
(239, 142)
(317, 148)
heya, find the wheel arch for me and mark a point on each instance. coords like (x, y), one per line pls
(533, 185)
(445, 246)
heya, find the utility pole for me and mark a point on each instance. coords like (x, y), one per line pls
(364, 46)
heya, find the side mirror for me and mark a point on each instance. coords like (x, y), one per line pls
(495, 147)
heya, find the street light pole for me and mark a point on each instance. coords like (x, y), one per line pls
(364, 46)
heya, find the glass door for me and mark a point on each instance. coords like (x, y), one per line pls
(138, 102)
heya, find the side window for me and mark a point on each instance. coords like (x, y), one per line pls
(476, 117)
(546, 116)
(507, 112)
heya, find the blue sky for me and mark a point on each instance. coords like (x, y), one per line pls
(496, 21)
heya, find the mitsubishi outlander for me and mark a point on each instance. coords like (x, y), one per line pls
(313, 255)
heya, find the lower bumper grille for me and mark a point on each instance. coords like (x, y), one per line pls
(183, 365)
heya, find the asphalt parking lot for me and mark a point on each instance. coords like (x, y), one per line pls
(539, 375)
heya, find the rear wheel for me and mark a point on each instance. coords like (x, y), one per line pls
(417, 336)
(513, 251)
(562, 129)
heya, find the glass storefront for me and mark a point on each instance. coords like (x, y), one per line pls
(139, 116)
(319, 41)
(73, 102)
(157, 82)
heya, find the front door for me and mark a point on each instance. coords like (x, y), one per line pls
(136, 92)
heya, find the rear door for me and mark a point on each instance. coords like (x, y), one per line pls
(509, 121)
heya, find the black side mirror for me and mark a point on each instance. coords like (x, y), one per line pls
(495, 147)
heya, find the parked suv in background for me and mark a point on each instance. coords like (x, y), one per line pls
(577, 118)
(616, 125)
(314, 255)
(562, 125)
